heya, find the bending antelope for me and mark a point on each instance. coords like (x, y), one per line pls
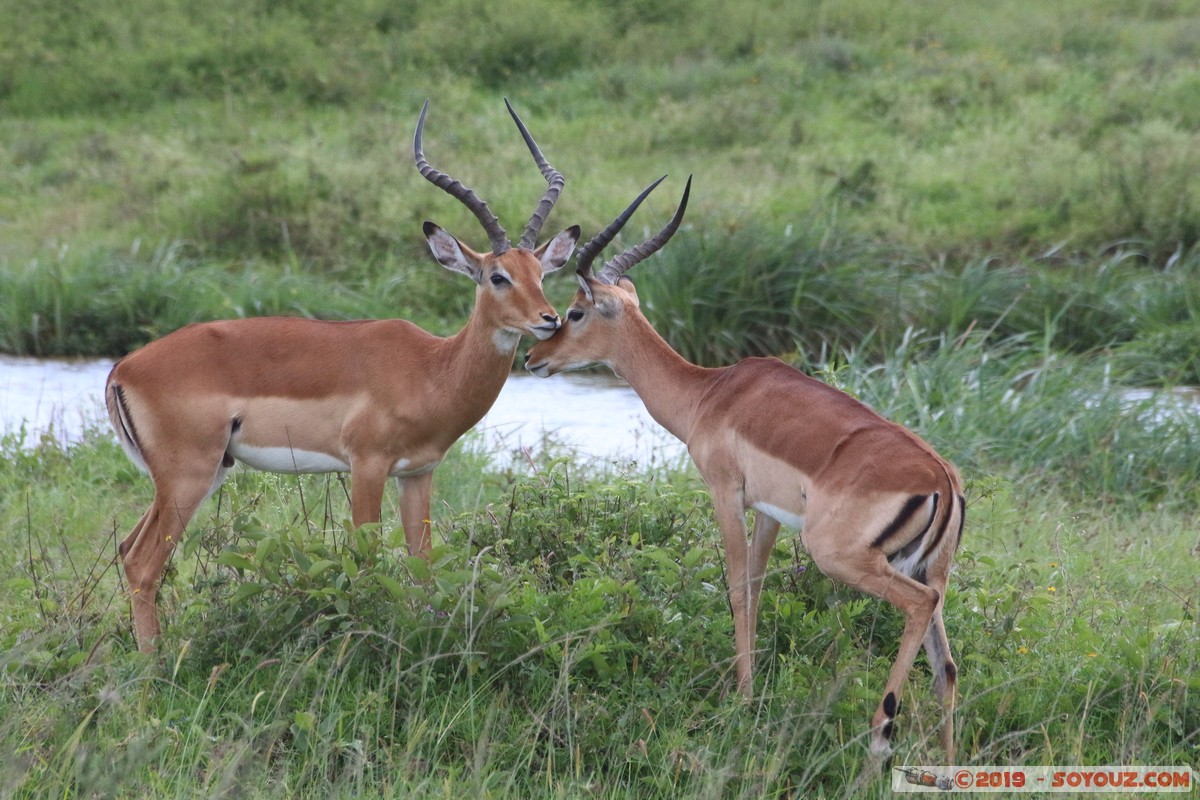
(877, 508)
(375, 398)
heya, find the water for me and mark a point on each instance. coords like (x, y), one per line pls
(597, 417)
(58, 397)
(594, 416)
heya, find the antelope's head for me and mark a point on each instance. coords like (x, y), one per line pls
(601, 319)
(509, 296)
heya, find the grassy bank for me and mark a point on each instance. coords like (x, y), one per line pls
(574, 637)
(858, 169)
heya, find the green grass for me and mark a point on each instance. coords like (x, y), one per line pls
(758, 291)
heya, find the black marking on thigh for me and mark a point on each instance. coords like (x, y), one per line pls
(903, 517)
(936, 539)
(950, 671)
(234, 426)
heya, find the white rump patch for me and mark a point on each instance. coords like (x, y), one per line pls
(911, 563)
(781, 516)
(123, 436)
(907, 565)
(134, 454)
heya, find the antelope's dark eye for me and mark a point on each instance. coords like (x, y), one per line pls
(499, 280)
(574, 315)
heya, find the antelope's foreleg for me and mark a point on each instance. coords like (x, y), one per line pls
(415, 492)
(762, 542)
(730, 516)
(367, 479)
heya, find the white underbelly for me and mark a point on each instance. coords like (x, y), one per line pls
(781, 515)
(295, 461)
(286, 459)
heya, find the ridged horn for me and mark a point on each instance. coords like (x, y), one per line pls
(457, 190)
(612, 271)
(553, 177)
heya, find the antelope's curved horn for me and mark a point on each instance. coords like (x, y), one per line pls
(618, 266)
(612, 271)
(553, 177)
(457, 190)
(587, 254)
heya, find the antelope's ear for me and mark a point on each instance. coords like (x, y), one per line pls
(610, 304)
(453, 254)
(626, 283)
(585, 286)
(555, 253)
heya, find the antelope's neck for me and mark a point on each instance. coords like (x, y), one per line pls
(477, 361)
(669, 385)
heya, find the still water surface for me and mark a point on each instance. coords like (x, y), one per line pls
(596, 416)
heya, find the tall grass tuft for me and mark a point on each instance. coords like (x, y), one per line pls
(101, 303)
(721, 295)
(718, 296)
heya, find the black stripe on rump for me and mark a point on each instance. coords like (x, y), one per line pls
(941, 531)
(962, 520)
(911, 506)
(126, 418)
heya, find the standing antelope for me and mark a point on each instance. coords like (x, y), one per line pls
(376, 398)
(877, 508)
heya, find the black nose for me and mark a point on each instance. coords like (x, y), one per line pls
(553, 318)
(527, 358)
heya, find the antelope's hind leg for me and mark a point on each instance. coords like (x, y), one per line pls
(147, 548)
(868, 570)
(945, 679)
